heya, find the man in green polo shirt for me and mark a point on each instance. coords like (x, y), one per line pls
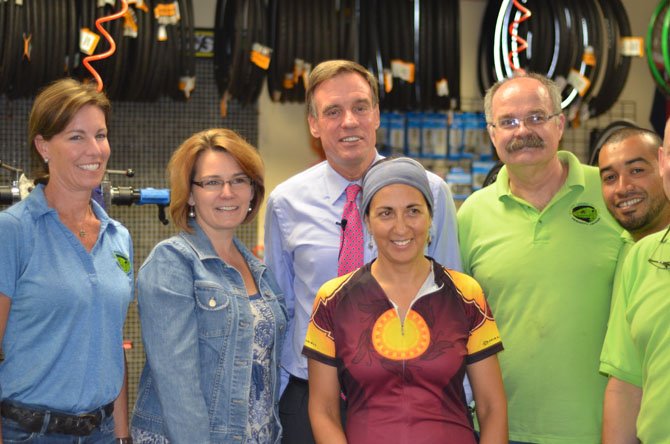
(635, 353)
(631, 185)
(543, 246)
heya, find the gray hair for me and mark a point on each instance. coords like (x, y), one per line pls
(551, 86)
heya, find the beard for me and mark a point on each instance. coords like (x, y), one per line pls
(635, 223)
(519, 143)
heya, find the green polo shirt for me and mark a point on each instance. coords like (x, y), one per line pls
(638, 337)
(617, 338)
(548, 278)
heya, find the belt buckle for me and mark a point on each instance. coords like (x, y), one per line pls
(90, 421)
(78, 425)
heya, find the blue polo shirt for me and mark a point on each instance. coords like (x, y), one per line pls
(63, 342)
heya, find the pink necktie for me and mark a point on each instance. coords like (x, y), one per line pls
(351, 239)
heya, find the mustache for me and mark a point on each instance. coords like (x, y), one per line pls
(529, 141)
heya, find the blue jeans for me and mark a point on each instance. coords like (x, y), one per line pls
(12, 433)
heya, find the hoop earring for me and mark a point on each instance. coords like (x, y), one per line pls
(191, 211)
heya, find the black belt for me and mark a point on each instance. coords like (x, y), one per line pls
(32, 419)
(296, 380)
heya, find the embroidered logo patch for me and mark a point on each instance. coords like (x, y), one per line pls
(123, 261)
(585, 213)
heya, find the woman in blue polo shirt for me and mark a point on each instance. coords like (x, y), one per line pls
(66, 280)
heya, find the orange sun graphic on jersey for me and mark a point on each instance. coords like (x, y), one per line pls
(393, 343)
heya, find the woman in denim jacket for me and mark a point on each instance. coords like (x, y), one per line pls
(212, 315)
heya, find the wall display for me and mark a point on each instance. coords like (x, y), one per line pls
(413, 48)
(585, 46)
(304, 33)
(241, 48)
(43, 40)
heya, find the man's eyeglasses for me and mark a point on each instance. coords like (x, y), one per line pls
(237, 183)
(531, 120)
(658, 263)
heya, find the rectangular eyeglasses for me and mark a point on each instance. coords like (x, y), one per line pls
(531, 120)
(237, 183)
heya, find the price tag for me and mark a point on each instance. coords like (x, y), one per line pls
(403, 70)
(167, 14)
(388, 81)
(589, 56)
(298, 66)
(88, 41)
(581, 83)
(442, 88)
(129, 24)
(631, 46)
(260, 56)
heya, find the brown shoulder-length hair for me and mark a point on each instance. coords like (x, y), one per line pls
(181, 169)
(53, 109)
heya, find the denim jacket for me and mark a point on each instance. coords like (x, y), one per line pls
(196, 328)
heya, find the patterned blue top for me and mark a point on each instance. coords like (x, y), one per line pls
(260, 427)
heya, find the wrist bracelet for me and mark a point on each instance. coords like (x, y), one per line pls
(127, 440)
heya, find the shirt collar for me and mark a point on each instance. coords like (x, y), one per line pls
(204, 249)
(39, 207)
(199, 241)
(336, 185)
(575, 175)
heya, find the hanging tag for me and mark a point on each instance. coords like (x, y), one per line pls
(631, 46)
(388, 81)
(260, 56)
(88, 41)
(442, 88)
(589, 56)
(580, 82)
(403, 70)
(130, 24)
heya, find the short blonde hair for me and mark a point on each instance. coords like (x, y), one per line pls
(181, 169)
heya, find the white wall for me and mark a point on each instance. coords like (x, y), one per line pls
(283, 138)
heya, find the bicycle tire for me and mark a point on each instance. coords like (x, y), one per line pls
(604, 134)
(617, 65)
(650, 45)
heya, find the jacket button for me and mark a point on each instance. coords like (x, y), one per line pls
(212, 302)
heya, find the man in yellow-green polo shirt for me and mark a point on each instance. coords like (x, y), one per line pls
(544, 248)
(631, 185)
(635, 353)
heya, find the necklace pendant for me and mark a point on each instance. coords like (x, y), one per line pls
(82, 233)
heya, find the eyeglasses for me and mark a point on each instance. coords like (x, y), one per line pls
(531, 120)
(237, 183)
(663, 265)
